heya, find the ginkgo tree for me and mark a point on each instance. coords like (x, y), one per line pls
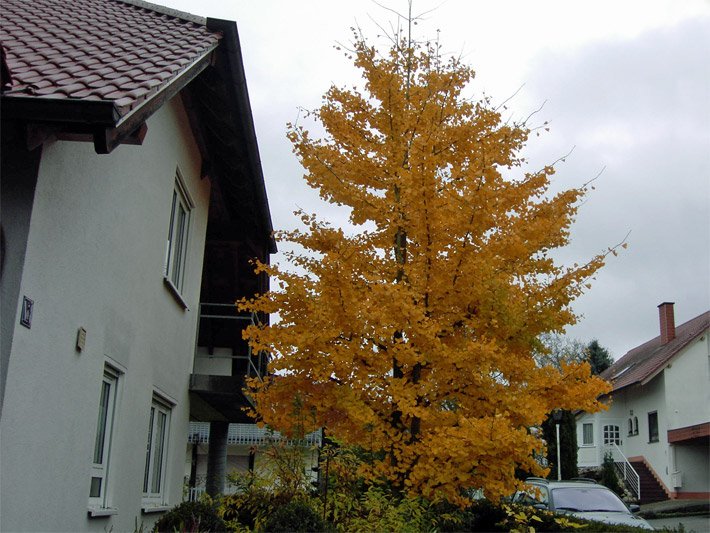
(412, 335)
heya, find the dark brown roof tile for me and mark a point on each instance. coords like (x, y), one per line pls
(96, 49)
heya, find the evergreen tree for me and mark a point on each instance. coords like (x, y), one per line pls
(568, 444)
(598, 357)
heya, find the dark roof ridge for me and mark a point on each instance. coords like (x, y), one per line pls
(164, 10)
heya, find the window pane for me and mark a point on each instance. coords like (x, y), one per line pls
(146, 475)
(587, 434)
(95, 490)
(101, 423)
(653, 427)
(169, 247)
(612, 435)
(179, 245)
(158, 457)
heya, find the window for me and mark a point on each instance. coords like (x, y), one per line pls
(102, 443)
(176, 247)
(631, 427)
(612, 435)
(587, 434)
(156, 452)
(636, 425)
(653, 426)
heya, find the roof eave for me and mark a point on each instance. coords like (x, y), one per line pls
(238, 88)
(103, 119)
(70, 110)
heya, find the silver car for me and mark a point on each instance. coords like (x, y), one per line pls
(580, 498)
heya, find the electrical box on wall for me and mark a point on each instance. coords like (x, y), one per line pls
(80, 339)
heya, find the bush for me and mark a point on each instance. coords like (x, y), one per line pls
(294, 516)
(609, 478)
(192, 517)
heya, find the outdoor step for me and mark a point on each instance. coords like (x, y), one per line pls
(651, 490)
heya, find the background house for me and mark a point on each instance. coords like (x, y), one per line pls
(249, 448)
(659, 414)
(132, 193)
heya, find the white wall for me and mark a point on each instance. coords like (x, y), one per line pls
(692, 461)
(588, 456)
(95, 260)
(640, 400)
(687, 382)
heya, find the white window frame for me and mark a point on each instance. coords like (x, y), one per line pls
(156, 455)
(591, 442)
(103, 438)
(612, 434)
(174, 266)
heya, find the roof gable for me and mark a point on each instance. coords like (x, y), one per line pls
(646, 361)
(96, 70)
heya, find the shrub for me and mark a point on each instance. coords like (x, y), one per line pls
(192, 517)
(246, 509)
(294, 516)
(609, 478)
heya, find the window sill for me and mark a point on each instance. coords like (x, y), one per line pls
(176, 293)
(98, 512)
(155, 508)
(587, 446)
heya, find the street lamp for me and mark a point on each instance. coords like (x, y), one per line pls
(557, 417)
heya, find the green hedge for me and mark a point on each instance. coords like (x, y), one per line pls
(191, 517)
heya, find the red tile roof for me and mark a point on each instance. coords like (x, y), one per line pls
(644, 362)
(88, 50)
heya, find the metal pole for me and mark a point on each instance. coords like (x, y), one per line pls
(559, 466)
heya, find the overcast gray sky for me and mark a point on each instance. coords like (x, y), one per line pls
(626, 83)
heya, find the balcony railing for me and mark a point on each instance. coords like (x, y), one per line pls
(250, 435)
(220, 325)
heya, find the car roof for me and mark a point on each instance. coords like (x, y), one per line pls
(567, 483)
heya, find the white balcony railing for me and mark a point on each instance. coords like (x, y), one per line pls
(255, 363)
(249, 435)
(625, 470)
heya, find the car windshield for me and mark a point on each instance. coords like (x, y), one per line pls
(587, 499)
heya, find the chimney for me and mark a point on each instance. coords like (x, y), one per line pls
(667, 320)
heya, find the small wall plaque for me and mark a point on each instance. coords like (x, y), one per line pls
(80, 339)
(26, 314)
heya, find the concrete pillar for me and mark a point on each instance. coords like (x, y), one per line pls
(217, 458)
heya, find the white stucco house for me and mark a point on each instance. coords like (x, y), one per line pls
(658, 420)
(132, 199)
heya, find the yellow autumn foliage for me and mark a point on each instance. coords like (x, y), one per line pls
(415, 336)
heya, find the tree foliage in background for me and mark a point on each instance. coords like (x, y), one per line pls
(554, 349)
(413, 337)
(598, 357)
